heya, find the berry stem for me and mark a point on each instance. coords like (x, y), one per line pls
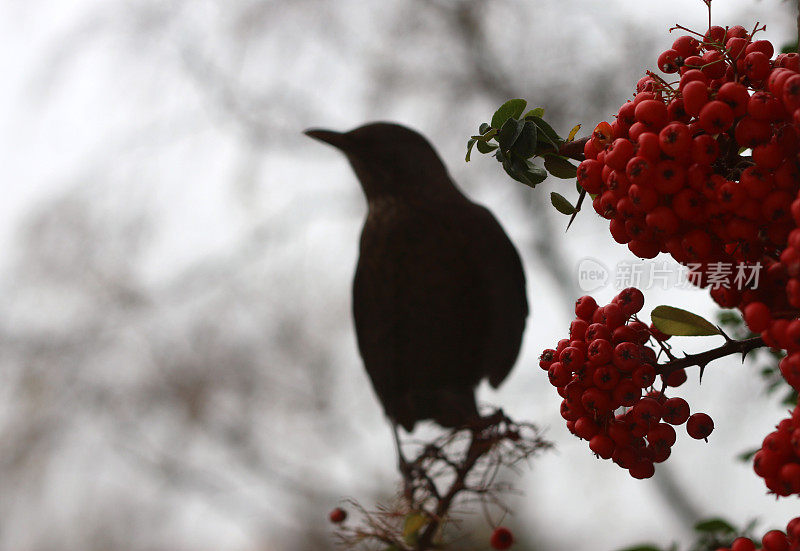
(704, 358)
(688, 30)
(571, 150)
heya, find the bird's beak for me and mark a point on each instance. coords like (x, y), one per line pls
(338, 140)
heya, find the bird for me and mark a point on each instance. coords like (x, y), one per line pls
(438, 297)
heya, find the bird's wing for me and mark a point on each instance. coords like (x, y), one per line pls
(496, 260)
(419, 308)
(438, 299)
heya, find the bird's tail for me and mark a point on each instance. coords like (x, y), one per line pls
(449, 407)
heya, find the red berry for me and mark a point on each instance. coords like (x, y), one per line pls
(586, 428)
(766, 464)
(715, 36)
(695, 96)
(599, 352)
(676, 378)
(630, 300)
(756, 66)
(789, 475)
(627, 393)
(743, 544)
(644, 375)
(597, 331)
(651, 113)
(589, 175)
(596, 401)
(602, 445)
(676, 411)
(585, 307)
(686, 46)
(791, 92)
(715, 117)
(713, 64)
(337, 515)
(618, 153)
(661, 435)
(736, 96)
(675, 139)
(692, 75)
(699, 426)
(735, 46)
(670, 61)
(501, 538)
(750, 132)
(775, 540)
(704, 149)
(776, 79)
(642, 469)
(559, 374)
(757, 316)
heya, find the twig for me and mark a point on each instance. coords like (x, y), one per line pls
(702, 359)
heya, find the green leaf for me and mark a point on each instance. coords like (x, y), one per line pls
(674, 321)
(484, 128)
(511, 109)
(412, 524)
(525, 144)
(470, 144)
(546, 132)
(729, 318)
(524, 171)
(509, 133)
(535, 174)
(484, 147)
(789, 48)
(747, 456)
(485, 137)
(714, 525)
(560, 167)
(561, 204)
(538, 112)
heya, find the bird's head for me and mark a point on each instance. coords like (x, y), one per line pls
(390, 159)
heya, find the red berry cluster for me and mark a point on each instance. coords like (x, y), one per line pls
(669, 173)
(774, 540)
(707, 169)
(605, 372)
(778, 460)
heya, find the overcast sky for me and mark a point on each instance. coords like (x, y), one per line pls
(159, 144)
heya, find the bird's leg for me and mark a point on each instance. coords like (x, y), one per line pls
(483, 422)
(403, 465)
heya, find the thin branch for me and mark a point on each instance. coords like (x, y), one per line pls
(702, 359)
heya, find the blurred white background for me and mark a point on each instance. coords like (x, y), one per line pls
(179, 368)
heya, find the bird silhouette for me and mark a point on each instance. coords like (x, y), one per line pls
(439, 291)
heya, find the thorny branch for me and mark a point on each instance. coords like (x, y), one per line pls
(702, 359)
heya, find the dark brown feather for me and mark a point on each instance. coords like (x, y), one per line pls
(439, 291)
